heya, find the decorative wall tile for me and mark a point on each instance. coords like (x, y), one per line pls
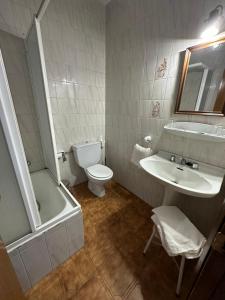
(162, 68)
(156, 108)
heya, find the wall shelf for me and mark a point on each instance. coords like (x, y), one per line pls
(199, 131)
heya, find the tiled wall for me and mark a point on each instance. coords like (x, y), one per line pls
(73, 34)
(140, 37)
(39, 256)
(13, 51)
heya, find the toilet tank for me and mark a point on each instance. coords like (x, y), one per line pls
(87, 154)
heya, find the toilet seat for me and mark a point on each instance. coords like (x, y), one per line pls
(99, 172)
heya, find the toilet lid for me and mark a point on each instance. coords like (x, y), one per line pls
(100, 171)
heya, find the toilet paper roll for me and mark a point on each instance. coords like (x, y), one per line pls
(139, 153)
(148, 139)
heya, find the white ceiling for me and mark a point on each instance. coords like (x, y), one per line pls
(16, 16)
(104, 2)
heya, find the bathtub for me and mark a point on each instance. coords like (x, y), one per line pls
(53, 200)
(58, 237)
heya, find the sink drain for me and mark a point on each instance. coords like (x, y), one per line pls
(180, 169)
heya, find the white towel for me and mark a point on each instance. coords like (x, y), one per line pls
(139, 153)
(178, 235)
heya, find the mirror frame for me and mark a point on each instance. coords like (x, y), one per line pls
(216, 41)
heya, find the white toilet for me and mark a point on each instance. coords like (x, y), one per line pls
(87, 157)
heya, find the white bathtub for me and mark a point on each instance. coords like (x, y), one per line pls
(54, 203)
(59, 236)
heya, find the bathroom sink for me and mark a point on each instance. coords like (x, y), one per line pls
(204, 182)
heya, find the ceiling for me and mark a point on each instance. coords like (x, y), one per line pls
(16, 16)
(104, 2)
(12, 12)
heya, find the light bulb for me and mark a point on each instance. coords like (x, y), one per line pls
(210, 31)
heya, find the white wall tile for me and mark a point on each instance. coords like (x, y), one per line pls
(134, 52)
(57, 244)
(76, 67)
(159, 89)
(39, 256)
(75, 233)
(146, 90)
(13, 51)
(20, 270)
(36, 259)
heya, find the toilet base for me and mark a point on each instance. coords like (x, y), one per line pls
(96, 188)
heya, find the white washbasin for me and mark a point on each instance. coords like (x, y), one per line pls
(204, 182)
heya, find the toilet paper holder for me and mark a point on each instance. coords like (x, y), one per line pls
(148, 139)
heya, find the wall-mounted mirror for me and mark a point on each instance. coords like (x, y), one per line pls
(202, 85)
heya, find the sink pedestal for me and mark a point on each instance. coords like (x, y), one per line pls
(170, 196)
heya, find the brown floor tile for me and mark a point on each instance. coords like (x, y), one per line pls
(144, 293)
(100, 250)
(142, 208)
(133, 219)
(93, 289)
(76, 271)
(131, 244)
(136, 294)
(82, 193)
(117, 275)
(89, 230)
(51, 287)
(111, 265)
(124, 193)
(145, 230)
(118, 231)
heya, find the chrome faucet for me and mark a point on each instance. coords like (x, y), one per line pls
(172, 158)
(183, 161)
(191, 164)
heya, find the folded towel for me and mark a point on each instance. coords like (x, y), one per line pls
(178, 235)
(139, 153)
